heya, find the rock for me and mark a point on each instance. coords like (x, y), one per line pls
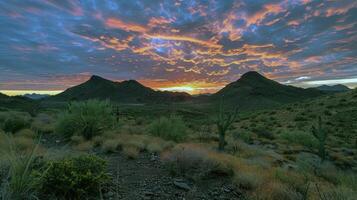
(182, 185)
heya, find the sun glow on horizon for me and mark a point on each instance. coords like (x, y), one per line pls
(22, 92)
(192, 89)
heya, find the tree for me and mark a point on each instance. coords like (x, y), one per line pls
(224, 121)
(320, 133)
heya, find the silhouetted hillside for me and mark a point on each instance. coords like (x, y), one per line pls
(129, 91)
(253, 90)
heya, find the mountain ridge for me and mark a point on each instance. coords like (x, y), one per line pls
(333, 88)
(129, 91)
(255, 90)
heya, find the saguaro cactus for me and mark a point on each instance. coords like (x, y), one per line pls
(223, 122)
(320, 134)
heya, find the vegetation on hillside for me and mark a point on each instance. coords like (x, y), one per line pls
(268, 154)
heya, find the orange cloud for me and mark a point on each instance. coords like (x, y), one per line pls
(186, 39)
(159, 21)
(117, 23)
(267, 9)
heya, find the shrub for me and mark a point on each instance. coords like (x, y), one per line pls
(263, 132)
(14, 124)
(75, 178)
(246, 136)
(87, 119)
(247, 180)
(172, 128)
(300, 137)
(43, 123)
(195, 161)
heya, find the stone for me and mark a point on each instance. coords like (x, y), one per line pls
(182, 185)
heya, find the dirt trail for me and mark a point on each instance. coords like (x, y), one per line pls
(146, 178)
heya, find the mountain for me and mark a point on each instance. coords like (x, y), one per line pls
(129, 91)
(17, 103)
(36, 96)
(253, 91)
(333, 88)
(2, 96)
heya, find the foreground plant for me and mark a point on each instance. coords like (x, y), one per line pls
(87, 119)
(75, 178)
(224, 121)
(19, 184)
(320, 133)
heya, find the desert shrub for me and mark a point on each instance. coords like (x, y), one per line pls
(15, 123)
(246, 136)
(263, 132)
(338, 193)
(278, 191)
(171, 128)
(110, 146)
(131, 151)
(154, 147)
(300, 137)
(87, 119)
(247, 180)
(195, 161)
(43, 123)
(75, 178)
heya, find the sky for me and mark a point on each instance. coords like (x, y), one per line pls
(194, 46)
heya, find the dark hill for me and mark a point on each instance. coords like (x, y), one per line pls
(2, 96)
(333, 88)
(253, 90)
(129, 91)
(17, 103)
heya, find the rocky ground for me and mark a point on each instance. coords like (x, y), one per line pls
(146, 178)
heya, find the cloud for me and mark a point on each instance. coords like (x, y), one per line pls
(209, 41)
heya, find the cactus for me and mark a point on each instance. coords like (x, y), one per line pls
(320, 134)
(223, 122)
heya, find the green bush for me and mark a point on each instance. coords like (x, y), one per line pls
(172, 128)
(14, 124)
(300, 137)
(75, 178)
(87, 119)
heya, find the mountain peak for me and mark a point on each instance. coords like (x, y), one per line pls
(133, 82)
(252, 75)
(95, 77)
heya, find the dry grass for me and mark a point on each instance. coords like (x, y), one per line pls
(84, 146)
(131, 152)
(113, 141)
(110, 146)
(27, 133)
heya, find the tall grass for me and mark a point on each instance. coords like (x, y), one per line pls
(19, 184)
